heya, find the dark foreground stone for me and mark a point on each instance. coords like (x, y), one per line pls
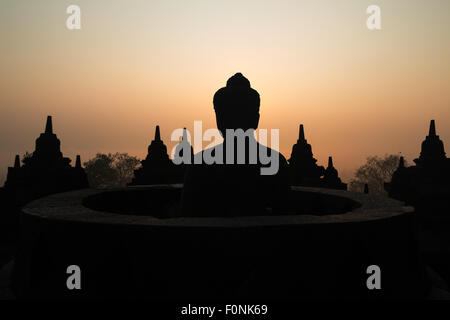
(122, 255)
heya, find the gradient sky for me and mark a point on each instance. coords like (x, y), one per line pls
(138, 63)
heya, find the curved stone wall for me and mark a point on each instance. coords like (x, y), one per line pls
(143, 256)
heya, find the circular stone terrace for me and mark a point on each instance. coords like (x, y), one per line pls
(131, 242)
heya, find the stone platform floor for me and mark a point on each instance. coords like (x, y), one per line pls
(7, 251)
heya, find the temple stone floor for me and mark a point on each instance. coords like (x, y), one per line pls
(6, 267)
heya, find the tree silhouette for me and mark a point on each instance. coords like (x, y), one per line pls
(125, 166)
(110, 170)
(375, 172)
(26, 157)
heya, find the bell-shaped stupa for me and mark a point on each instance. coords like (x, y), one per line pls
(303, 168)
(432, 148)
(158, 168)
(46, 171)
(426, 185)
(331, 178)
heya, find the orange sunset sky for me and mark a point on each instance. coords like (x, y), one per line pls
(136, 63)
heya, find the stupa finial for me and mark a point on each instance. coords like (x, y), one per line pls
(78, 162)
(157, 134)
(17, 161)
(49, 125)
(301, 133)
(330, 162)
(432, 129)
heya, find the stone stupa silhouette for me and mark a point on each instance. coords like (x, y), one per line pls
(46, 171)
(426, 185)
(157, 167)
(303, 168)
(331, 178)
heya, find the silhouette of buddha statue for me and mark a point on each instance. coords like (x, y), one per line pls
(235, 188)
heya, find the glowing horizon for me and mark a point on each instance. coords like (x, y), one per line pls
(136, 64)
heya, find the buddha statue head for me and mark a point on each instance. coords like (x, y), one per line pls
(236, 105)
